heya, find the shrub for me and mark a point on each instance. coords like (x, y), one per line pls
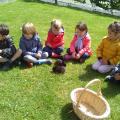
(107, 4)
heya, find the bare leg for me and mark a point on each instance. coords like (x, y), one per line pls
(16, 55)
(9, 63)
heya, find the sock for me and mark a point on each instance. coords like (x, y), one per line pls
(42, 61)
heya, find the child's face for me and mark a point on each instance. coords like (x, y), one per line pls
(28, 36)
(55, 30)
(80, 33)
(2, 37)
(111, 35)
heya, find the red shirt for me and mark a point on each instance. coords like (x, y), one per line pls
(55, 40)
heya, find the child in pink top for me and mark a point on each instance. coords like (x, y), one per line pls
(80, 45)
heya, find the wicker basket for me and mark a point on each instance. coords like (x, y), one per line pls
(90, 105)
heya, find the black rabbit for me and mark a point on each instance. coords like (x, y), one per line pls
(59, 66)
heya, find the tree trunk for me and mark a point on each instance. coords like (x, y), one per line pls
(55, 1)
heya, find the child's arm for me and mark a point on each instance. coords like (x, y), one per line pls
(22, 46)
(86, 48)
(116, 58)
(72, 44)
(10, 50)
(39, 46)
(39, 49)
(100, 50)
(49, 39)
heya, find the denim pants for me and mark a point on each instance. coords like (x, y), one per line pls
(57, 50)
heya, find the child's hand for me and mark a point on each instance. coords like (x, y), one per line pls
(0, 51)
(77, 56)
(73, 55)
(49, 45)
(38, 55)
(104, 62)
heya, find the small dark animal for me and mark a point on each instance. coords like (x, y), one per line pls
(59, 66)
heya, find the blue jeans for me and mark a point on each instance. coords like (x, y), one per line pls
(84, 56)
(57, 50)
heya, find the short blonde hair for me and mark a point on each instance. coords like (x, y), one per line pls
(28, 28)
(56, 23)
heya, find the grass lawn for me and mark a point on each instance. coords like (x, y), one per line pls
(37, 93)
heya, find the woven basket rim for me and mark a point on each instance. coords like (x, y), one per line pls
(104, 115)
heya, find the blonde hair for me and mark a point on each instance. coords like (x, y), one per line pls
(56, 23)
(28, 28)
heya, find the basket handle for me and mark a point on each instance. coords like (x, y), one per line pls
(91, 83)
(95, 82)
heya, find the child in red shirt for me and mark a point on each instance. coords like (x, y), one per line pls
(54, 44)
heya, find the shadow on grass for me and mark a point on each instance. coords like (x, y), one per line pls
(67, 113)
(90, 74)
(111, 90)
(74, 8)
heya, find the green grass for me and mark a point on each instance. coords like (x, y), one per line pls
(37, 93)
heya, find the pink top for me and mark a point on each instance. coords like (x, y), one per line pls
(86, 41)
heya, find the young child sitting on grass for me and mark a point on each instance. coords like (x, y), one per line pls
(108, 52)
(80, 46)
(54, 45)
(31, 46)
(8, 52)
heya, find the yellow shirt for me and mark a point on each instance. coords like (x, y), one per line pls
(109, 50)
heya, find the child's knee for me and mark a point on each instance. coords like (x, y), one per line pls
(26, 57)
(103, 69)
(95, 66)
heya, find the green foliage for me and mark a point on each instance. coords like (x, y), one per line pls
(115, 4)
(107, 4)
